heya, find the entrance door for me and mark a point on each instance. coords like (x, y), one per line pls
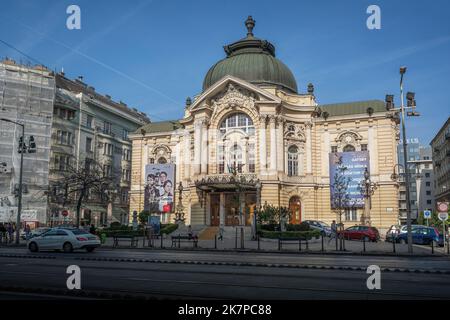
(295, 207)
(215, 210)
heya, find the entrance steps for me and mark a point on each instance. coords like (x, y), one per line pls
(208, 233)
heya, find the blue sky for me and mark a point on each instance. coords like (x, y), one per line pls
(152, 54)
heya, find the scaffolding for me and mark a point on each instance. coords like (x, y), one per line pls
(27, 95)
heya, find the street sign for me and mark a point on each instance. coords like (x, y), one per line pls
(427, 214)
(443, 216)
(442, 206)
(65, 213)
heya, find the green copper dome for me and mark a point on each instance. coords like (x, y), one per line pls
(253, 60)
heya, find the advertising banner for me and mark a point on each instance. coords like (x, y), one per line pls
(159, 188)
(354, 164)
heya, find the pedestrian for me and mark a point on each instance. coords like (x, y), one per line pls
(10, 231)
(221, 233)
(27, 232)
(2, 232)
(333, 231)
(190, 231)
(92, 229)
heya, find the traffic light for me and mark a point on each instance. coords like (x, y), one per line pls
(32, 145)
(410, 99)
(22, 146)
(389, 102)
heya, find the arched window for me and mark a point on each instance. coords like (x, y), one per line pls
(236, 157)
(349, 148)
(237, 121)
(292, 161)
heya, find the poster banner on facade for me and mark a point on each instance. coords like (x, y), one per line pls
(159, 188)
(355, 164)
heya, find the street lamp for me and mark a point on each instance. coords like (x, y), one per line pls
(411, 105)
(367, 188)
(22, 148)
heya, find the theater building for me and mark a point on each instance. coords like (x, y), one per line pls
(252, 117)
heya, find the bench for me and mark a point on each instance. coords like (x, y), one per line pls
(118, 238)
(184, 238)
(292, 240)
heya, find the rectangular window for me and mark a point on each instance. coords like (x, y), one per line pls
(428, 184)
(427, 175)
(334, 149)
(88, 145)
(428, 193)
(428, 201)
(107, 127)
(351, 214)
(125, 134)
(89, 121)
(364, 147)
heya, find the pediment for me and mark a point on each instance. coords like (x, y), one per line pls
(232, 90)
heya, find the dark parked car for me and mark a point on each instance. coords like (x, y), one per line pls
(324, 228)
(421, 235)
(361, 233)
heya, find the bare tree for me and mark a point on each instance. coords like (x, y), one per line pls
(87, 181)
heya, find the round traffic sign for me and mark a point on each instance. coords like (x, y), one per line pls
(442, 206)
(443, 216)
(65, 213)
(427, 214)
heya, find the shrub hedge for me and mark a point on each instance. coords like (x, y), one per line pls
(128, 231)
(290, 234)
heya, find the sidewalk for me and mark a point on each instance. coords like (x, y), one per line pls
(271, 245)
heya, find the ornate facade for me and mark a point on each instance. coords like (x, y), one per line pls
(251, 119)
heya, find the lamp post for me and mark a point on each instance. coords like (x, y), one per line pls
(411, 105)
(22, 148)
(367, 188)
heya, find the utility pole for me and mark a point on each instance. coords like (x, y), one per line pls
(411, 105)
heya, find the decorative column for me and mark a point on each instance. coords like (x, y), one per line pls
(262, 145)
(280, 143)
(244, 144)
(222, 209)
(308, 148)
(273, 144)
(187, 155)
(204, 156)
(197, 146)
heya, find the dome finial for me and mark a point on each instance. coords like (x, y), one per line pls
(250, 24)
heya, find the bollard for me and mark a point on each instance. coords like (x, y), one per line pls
(432, 247)
(258, 242)
(215, 241)
(364, 244)
(161, 237)
(307, 248)
(235, 240)
(322, 242)
(393, 245)
(279, 244)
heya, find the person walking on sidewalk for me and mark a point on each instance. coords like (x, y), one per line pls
(333, 231)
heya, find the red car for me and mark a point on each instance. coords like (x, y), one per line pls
(360, 233)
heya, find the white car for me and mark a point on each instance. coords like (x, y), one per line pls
(66, 239)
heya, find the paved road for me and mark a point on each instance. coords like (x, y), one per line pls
(227, 281)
